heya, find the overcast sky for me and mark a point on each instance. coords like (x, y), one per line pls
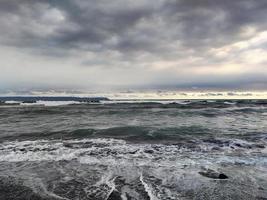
(85, 44)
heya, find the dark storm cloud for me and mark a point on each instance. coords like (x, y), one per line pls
(128, 26)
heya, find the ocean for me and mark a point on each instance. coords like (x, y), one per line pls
(133, 149)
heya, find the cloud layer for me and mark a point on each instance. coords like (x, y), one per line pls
(87, 43)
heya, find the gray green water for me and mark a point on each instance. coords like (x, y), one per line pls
(146, 150)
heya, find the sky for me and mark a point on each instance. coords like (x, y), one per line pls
(102, 44)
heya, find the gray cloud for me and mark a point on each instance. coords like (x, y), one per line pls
(141, 35)
(126, 25)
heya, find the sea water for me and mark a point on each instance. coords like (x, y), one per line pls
(134, 150)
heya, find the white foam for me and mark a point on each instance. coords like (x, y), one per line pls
(148, 189)
(113, 152)
(10, 102)
(182, 102)
(52, 103)
(229, 103)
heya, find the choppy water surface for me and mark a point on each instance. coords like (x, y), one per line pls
(133, 150)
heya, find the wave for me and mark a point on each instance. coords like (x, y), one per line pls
(129, 133)
(63, 101)
(138, 134)
(107, 151)
(186, 138)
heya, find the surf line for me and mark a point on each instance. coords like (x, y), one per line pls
(148, 190)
